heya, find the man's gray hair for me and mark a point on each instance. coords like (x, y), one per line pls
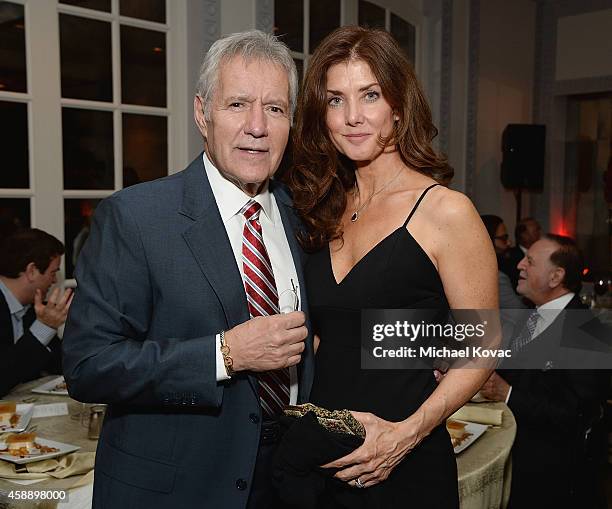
(253, 44)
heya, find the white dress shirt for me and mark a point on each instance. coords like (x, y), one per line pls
(230, 199)
(548, 312)
(39, 330)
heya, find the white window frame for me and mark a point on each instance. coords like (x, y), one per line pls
(349, 15)
(408, 13)
(44, 103)
(305, 54)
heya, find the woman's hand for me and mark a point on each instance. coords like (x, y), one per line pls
(385, 445)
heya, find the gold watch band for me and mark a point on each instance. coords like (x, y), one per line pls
(225, 352)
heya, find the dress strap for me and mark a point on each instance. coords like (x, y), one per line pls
(418, 202)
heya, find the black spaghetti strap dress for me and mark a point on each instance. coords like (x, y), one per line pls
(395, 274)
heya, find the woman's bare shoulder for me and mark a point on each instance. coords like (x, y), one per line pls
(447, 208)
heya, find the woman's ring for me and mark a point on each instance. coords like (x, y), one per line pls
(358, 483)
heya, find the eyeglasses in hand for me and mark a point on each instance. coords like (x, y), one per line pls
(289, 300)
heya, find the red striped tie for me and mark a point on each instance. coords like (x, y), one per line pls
(262, 299)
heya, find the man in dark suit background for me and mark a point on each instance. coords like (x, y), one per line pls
(175, 324)
(29, 262)
(558, 411)
(526, 232)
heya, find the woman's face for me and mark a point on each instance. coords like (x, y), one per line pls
(357, 113)
(501, 239)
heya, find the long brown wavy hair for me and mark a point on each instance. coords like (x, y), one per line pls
(321, 176)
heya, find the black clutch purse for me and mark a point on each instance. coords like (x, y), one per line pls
(312, 437)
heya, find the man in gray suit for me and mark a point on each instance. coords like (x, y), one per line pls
(175, 322)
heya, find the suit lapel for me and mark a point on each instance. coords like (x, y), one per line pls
(548, 345)
(6, 324)
(208, 241)
(291, 224)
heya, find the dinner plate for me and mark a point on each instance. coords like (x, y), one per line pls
(24, 411)
(21, 460)
(475, 430)
(57, 387)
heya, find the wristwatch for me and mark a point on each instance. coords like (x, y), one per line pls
(225, 351)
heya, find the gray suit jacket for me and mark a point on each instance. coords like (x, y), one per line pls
(157, 280)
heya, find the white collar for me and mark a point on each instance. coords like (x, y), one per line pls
(549, 311)
(559, 303)
(15, 307)
(230, 199)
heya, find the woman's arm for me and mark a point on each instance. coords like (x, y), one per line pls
(468, 269)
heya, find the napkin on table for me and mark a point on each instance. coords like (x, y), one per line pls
(480, 414)
(71, 464)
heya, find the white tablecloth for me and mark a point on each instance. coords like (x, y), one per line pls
(485, 468)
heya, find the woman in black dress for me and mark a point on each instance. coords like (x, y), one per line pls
(385, 233)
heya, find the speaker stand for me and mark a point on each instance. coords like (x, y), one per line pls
(518, 195)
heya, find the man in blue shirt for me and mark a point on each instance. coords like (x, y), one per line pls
(29, 261)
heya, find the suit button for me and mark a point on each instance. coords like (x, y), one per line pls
(241, 484)
(254, 418)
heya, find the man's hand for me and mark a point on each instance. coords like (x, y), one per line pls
(54, 312)
(266, 343)
(495, 388)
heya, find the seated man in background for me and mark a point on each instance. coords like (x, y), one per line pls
(29, 261)
(559, 442)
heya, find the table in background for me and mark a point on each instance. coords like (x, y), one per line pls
(485, 468)
(63, 428)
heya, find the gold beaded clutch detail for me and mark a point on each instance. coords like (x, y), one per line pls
(339, 421)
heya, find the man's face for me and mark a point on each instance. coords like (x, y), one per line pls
(248, 127)
(538, 276)
(44, 280)
(532, 233)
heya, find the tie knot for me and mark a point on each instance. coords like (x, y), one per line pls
(251, 210)
(534, 316)
(532, 321)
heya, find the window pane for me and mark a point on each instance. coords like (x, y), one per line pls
(98, 5)
(87, 140)
(405, 35)
(153, 10)
(12, 48)
(85, 50)
(14, 215)
(145, 148)
(289, 23)
(371, 15)
(324, 17)
(143, 66)
(77, 219)
(14, 145)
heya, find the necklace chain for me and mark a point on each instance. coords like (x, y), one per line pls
(355, 215)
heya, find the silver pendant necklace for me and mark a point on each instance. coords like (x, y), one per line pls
(355, 215)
